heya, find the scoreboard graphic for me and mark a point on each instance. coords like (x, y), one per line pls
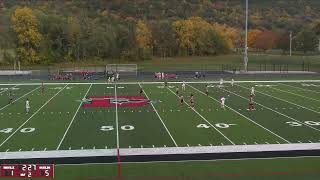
(27, 171)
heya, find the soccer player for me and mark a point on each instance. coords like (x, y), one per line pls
(232, 82)
(223, 99)
(141, 91)
(117, 77)
(42, 88)
(252, 91)
(112, 79)
(27, 105)
(177, 91)
(251, 106)
(181, 100)
(206, 90)
(10, 96)
(183, 86)
(165, 83)
(221, 82)
(191, 101)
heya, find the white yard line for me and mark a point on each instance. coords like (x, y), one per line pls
(205, 119)
(74, 116)
(117, 119)
(300, 88)
(31, 116)
(20, 98)
(295, 94)
(13, 86)
(283, 100)
(244, 116)
(157, 82)
(274, 110)
(154, 108)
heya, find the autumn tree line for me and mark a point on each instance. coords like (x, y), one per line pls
(34, 36)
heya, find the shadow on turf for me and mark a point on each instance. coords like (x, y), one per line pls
(219, 175)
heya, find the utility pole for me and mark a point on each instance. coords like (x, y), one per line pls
(290, 43)
(245, 59)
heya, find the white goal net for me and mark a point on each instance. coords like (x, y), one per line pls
(122, 69)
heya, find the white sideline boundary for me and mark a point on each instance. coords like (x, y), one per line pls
(158, 82)
(159, 151)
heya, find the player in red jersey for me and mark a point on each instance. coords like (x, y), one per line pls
(251, 105)
(11, 97)
(42, 88)
(206, 90)
(177, 91)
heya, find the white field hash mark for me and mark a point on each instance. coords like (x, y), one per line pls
(205, 120)
(32, 116)
(74, 116)
(272, 109)
(19, 98)
(283, 100)
(8, 89)
(300, 88)
(249, 119)
(299, 95)
(154, 108)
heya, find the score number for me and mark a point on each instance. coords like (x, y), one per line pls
(27, 171)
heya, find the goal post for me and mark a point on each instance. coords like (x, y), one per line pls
(122, 69)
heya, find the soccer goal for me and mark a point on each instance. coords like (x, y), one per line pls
(122, 69)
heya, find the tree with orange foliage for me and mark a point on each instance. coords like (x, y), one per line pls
(252, 36)
(266, 40)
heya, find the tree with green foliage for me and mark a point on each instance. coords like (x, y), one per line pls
(306, 40)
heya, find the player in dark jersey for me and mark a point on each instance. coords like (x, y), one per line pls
(181, 100)
(191, 101)
(141, 91)
(10, 95)
(206, 90)
(251, 105)
(42, 88)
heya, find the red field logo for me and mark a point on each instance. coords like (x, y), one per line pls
(112, 101)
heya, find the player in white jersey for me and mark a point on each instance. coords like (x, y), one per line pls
(223, 99)
(27, 106)
(183, 86)
(232, 82)
(221, 82)
(117, 77)
(252, 91)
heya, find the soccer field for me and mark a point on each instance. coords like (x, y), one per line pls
(117, 115)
